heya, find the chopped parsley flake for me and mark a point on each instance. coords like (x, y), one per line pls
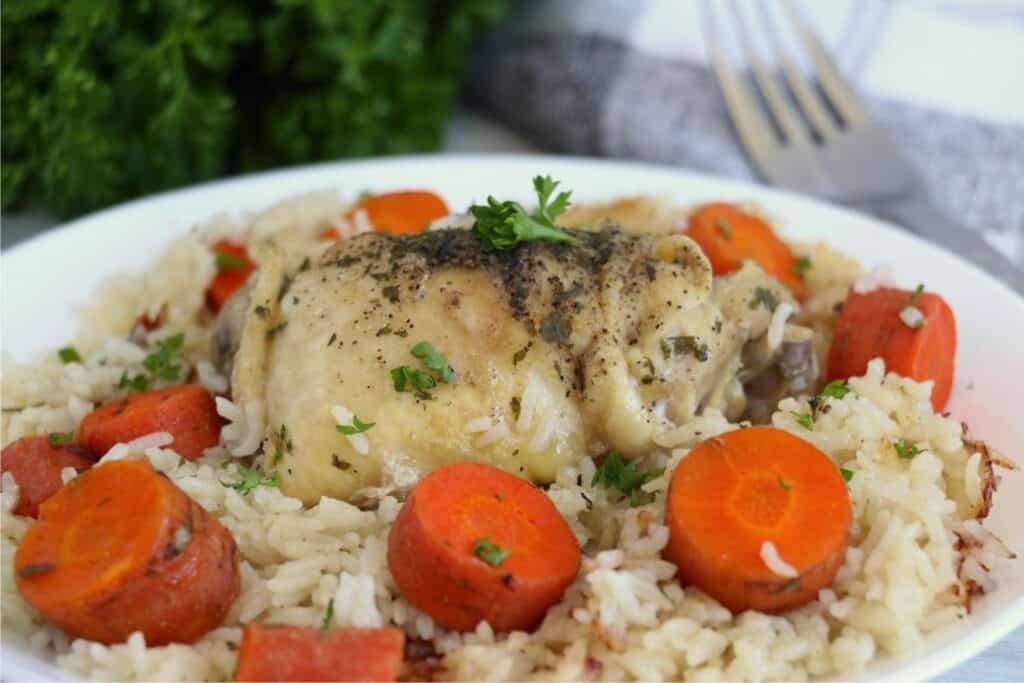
(405, 377)
(295, 300)
(684, 344)
(357, 427)
(60, 438)
(503, 225)
(783, 484)
(489, 552)
(804, 420)
(764, 296)
(69, 354)
(802, 265)
(723, 225)
(138, 382)
(906, 452)
(251, 479)
(846, 474)
(614, 473)
(836, 389)
(282, 444)
(328, 615)
(226, 261)
(161, 363)
(433, 360)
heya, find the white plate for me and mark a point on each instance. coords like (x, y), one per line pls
(44, 277)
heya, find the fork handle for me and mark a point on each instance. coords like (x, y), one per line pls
(922, 218)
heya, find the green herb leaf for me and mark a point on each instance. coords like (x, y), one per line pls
(161, 363)
(226, 261)
(918, 291)
(251, 479)
(59, 438)
(723, 225)
(783, 484)
(328, 615)
(503, 225)
(616, 474)
(764, 296)
(489, 552)
(846, 474)
(138, 382)
(357, 427)
(405, 377)
(804, 420)
(906, 452)
(802, 265)
(836, 389)
(69, 354)
(433, 360)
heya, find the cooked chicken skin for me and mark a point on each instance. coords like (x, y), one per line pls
(559, 350)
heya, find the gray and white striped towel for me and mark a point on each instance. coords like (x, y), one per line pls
(628, 78)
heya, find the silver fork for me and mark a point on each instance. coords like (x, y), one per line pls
(819, 138)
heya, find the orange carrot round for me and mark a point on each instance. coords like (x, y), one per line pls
(36, 465)
(233, 268)
(400, 213)
(870, 326)
(736, 492)
(300, 653)
(122, 549)
(729, 236)
(473, 543)
(188, 412)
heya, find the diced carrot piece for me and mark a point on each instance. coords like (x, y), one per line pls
(729, 236)
(732, 494)
(473, 543)
(870, 326)
(399, 213)
(188, 412)
(233, 269)
(121, 549)
(36, 465)
(300, 653)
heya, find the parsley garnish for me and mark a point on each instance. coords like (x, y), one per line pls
(138, 382)
(614, 473)
(417, 380)
(906, 452)
(226, 261)
(433, 360)
(59, 438)
(804, 420)
(723, 225)
(783, 484)
(846, 474)
(69, 354)
(251, 479)
(328, 615)
(764, 296)
(503, 225)
(489, 552)
(836, 389)
(161, 363)
(357, 427)
(802, 265)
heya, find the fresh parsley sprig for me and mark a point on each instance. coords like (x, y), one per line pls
(426, 352)
(251, 479)
(490, 553)
(616, 474)
(161, 365)
(906, 451)
(503, 225)
(357, 427)
(836, 389)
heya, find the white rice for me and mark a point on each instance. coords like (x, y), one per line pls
(772, 560)
(912, 316)
(917, 549)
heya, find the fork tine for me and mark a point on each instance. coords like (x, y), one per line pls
(839, 91)
(820, 119)
(754, 129)
(779, 106)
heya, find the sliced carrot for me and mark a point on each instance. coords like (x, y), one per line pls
(870, 326)
(300, 653)
(735, 492)
(233, 268)
(122, 549)
(473, 543)
(399, 213)
(36, 465)
(188, 412)
(729, 236)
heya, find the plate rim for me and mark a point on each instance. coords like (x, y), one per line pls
(928, 664)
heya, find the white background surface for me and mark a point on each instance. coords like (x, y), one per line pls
(993, 366)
